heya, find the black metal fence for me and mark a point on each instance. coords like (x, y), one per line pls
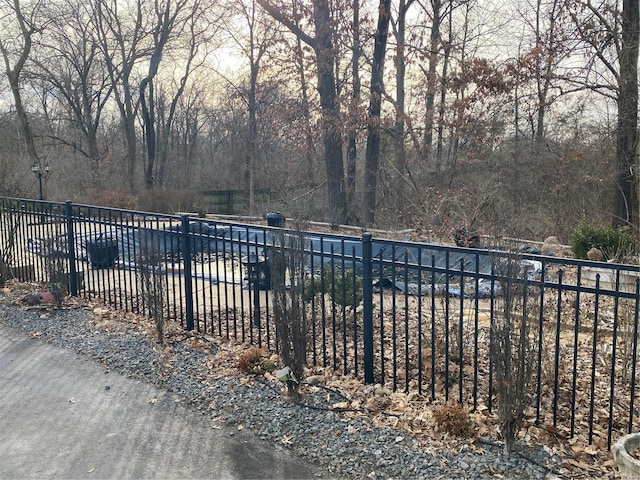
(414, 316)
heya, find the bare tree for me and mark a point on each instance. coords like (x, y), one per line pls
(290, 315)
(15, 47)
(538, 63)
(626, 208)
(121, 35)
(513, 347)
(168, 103)
(170, 20)
(70, 62)
(354, 106)
(612, 37)
(324, 48)
(399, 155)
(181, 118)
(431, 78)
(375, 105)
(253, 37)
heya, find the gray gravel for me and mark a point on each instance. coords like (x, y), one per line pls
(348, 448)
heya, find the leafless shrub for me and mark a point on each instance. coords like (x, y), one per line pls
(151, 284)
(513, 348)
(167, 201)
(12, 223)
(111, 198)
(287, 278)
(625, 338)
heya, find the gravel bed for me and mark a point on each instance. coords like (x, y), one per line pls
(347, 448)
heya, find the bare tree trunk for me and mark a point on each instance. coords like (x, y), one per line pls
(250, 166)
(375, 103)
(13, 73)
(626, 206)
(109, 27)
(434, 47)
(331, 130)
(149, 123)
(165, 23)
(323, 45)
(443, 91)
(311, 152)
(255, 43)
(355, 106)
(399, 151)
(191, 120)
(544, 71)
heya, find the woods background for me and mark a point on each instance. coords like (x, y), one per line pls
(512, 117)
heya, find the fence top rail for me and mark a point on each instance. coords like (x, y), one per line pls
(80, 207)
(387, 251)
(465, 252)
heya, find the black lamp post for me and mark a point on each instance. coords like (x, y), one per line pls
(35, 168)
(37, 171)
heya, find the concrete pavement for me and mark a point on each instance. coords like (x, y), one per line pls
(63, 416)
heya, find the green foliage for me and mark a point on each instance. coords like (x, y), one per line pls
(614, 243)
(336, 284)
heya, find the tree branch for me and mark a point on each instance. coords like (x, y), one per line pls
(276, 13)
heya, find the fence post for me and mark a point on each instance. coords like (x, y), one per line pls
(73, 274)
(186, 254)
(367, 300)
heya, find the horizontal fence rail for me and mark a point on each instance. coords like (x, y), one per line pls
(414, 316)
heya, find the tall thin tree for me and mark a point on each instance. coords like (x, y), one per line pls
(324, 48)
(626, 208)
(375, 104)
(15, 60)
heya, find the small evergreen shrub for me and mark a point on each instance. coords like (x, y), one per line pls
(614, 243)
(338, 285)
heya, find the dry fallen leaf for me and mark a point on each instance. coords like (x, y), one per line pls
(412, 414)
(591, 450)
(577, 450)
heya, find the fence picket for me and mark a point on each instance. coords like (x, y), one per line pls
(584, 337)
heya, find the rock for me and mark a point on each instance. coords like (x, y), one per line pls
(101, 312)
(356, 449)
(48, 297)
(551, 246)
(315, 380)
(412, 396)
(31, 299)
(380, 391)
(39, 298)
(595, 254)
